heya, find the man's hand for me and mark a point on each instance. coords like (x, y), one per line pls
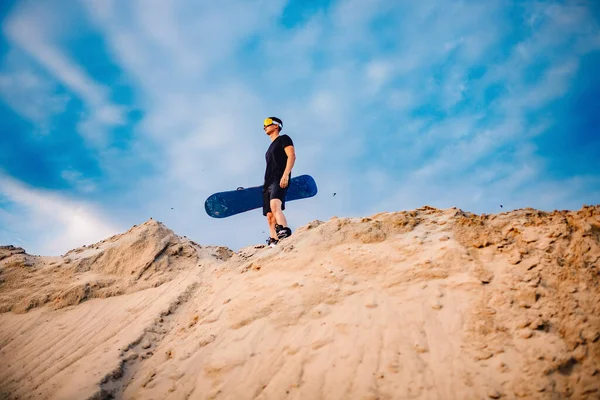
(284, 181)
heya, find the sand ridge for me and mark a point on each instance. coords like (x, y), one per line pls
(424, 304)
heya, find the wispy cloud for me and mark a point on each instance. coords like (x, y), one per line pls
(29, 93)
(47, 222)
(35, 28)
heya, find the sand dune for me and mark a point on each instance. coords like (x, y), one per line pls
(426, 304)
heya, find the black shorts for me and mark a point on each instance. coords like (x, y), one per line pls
(270, 192)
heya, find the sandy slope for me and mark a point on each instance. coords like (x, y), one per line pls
(428, 304)
(66, 353)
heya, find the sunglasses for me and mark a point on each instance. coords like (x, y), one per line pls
(269, 122)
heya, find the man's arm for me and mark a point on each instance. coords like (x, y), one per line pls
(291, 154)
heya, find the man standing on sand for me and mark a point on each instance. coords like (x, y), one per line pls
(280, 159)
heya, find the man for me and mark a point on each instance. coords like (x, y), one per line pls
(280, 159)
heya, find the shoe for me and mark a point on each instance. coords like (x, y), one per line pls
(282, 232)
(272, 242)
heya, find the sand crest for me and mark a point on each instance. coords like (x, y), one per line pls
(424, 304)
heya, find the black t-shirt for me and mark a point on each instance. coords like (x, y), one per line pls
(277, 159)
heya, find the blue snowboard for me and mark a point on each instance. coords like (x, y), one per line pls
(226, 204)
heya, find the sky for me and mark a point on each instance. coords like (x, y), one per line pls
(112, 112)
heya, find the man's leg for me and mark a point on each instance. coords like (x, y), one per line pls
(281, 228)
(276, 209)
(271, 221)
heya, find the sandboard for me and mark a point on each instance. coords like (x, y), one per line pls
(226, 204)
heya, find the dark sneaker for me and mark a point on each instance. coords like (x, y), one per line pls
(271, 242)
(283, 232)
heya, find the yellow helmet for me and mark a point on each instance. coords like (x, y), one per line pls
(271, 121)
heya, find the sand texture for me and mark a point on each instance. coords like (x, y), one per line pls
(423, 304)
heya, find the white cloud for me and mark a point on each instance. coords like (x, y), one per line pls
(33, 28)
(554, 84)
(460, 143)
(378, 73)
(453, 90)
(78, 180)
(58, 223)
(29, 93)
(327, 109)
(401, 99)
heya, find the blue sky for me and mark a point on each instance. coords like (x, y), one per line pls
(114, 112)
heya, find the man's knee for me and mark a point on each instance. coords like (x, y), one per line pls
(270, 218)
(275, 205)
